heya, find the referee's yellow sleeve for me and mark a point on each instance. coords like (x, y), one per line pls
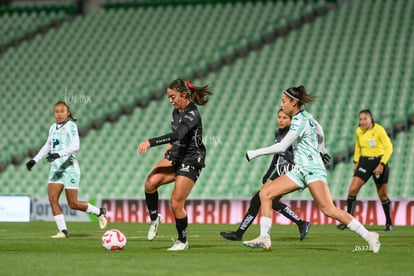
(388, 147)
(357, 151)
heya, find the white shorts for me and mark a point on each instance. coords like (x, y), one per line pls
(305, 176)
(69, 178)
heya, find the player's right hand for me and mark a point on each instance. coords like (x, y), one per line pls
(143, 147)
(30, 164)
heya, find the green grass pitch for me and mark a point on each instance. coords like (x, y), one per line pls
(27, 249)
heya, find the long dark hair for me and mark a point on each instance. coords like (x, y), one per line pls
(68, 108)
(300, 94)
(197, 94)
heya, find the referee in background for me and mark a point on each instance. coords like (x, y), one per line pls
(373, 149)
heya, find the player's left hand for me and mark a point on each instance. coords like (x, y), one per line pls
(379, 170)
(326, 158)
(143, 147)
(52, 157)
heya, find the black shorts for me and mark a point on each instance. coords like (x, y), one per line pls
(186, 170)
(367, 165)
(274, 175)
(280, 171)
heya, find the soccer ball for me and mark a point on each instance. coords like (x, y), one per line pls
(113, 240)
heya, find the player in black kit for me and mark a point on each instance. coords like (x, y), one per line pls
(184, 157)
(281, 163)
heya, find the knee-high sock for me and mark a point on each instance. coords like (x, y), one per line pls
(181, 225)
(250, 215)
(358, 228)
(152, 204)
(286, 211)
(351, 204)
(60, 222)
(265, 226)
(386, 205)
(93, 210)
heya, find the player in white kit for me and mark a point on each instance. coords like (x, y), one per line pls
(60, 148)
(306, 137)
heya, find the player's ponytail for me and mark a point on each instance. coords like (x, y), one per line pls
(197, 94)
(299, 94)
(68, 108)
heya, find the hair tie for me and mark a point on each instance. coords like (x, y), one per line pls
(189, 84)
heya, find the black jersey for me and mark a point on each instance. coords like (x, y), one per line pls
(281, 162)
(189, 149)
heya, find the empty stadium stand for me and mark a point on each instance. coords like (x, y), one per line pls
(118, 61)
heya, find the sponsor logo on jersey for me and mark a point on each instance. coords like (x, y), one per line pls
(55, 142)
(185, 168)
(188, 117)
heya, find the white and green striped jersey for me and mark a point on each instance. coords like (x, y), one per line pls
(306, 136)
(305, 147)
(63, 139)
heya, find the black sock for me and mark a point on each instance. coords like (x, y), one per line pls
(152, 204)
(64, 231)
(386, 205)
(351, 204)
(101, 212)
(286, 211)
(181, 225)
(247, 220)
(250, 215)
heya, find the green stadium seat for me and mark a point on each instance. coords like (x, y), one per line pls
(121, 56)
